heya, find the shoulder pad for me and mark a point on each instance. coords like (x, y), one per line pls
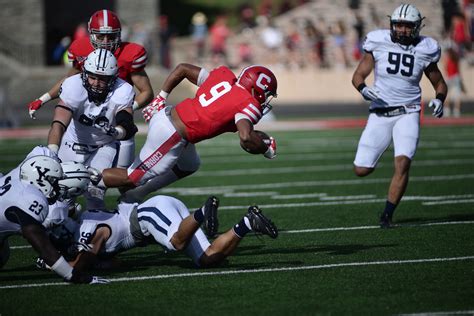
(72, 91)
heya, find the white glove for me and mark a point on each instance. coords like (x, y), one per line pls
(369, 94)
(95, 174)
(99, 280)
(271, 151)
(437, 106)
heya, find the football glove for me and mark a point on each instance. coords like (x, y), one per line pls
(36, 104)
(369, 94)
(95, 175)
(155, 105)
(82, 278)
(271, 151)
(33, 107)
(437, 106)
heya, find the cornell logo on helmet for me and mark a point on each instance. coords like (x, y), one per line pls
(261, 83)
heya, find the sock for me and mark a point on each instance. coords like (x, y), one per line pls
(242, 228)
(389, 208)
(199, 215)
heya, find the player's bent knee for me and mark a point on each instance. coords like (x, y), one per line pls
(177, 243)
(362, 171)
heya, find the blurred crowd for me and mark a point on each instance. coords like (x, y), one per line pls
(267, 34)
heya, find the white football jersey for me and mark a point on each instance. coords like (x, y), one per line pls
(86, 114)
(32, 201)
(118, 222)
(17, 193)
(398, 68)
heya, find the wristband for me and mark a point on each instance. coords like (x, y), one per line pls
(135, 106)
(361, 87)
(62, 268)
(441, 97)
(163, 94)
(54, 148)
(45, 98)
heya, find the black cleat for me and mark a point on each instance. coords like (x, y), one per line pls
(211, 223)
(386, 220)
(261, 224)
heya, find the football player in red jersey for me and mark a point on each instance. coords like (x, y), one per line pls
(104, 32)
(223, 103)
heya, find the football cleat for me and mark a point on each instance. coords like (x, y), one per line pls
(211, 223)
(261, 224)
(386, 220)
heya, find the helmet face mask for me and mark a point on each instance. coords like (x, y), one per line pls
(99, 75)
(405, 24)
(261, 83)
(75, 180)
(44, 173)
(104, 29)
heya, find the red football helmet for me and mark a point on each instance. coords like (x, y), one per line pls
(104, 29)
(261, 83)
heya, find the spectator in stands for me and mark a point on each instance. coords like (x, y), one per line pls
(219, 33)
(339, 43)
(166, 34)
(454, 82)
(272, 39)
(199, 35)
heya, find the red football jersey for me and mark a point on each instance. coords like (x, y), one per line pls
(218, 103)
(131, 57)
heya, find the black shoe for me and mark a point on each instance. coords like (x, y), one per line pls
(211, 223)
(261, 224)
(386, 220)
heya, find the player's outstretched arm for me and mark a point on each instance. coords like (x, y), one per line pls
(87, 257)
(436, 78)
(52, 94)
(145, 94)
(61, 120)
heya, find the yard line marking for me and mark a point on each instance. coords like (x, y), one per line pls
(449, 202)
(273, 185)
(311, 230)
(315, 230)
(471, 312)
(264, 270)
(320, 168)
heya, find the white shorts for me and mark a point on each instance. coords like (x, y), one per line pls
(99, 158)
(378, 134)
(126, 153)
(162, 148)
(160, 216)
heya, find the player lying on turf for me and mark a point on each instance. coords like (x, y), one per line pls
(26, 194)
(166, 221)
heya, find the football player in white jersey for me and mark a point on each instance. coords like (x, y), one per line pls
(94, 112)
(36, 181)
(398, 57)
(166, 221)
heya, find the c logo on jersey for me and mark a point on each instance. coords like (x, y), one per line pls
(263, 85)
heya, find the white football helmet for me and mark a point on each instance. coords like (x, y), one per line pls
(406, 14)
(75, 180)
(44, 173)
(100, 65)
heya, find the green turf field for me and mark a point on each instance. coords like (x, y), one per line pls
(330, 258)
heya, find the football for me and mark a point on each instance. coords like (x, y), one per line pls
(264, 136)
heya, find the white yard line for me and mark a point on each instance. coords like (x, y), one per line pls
(264, 270)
